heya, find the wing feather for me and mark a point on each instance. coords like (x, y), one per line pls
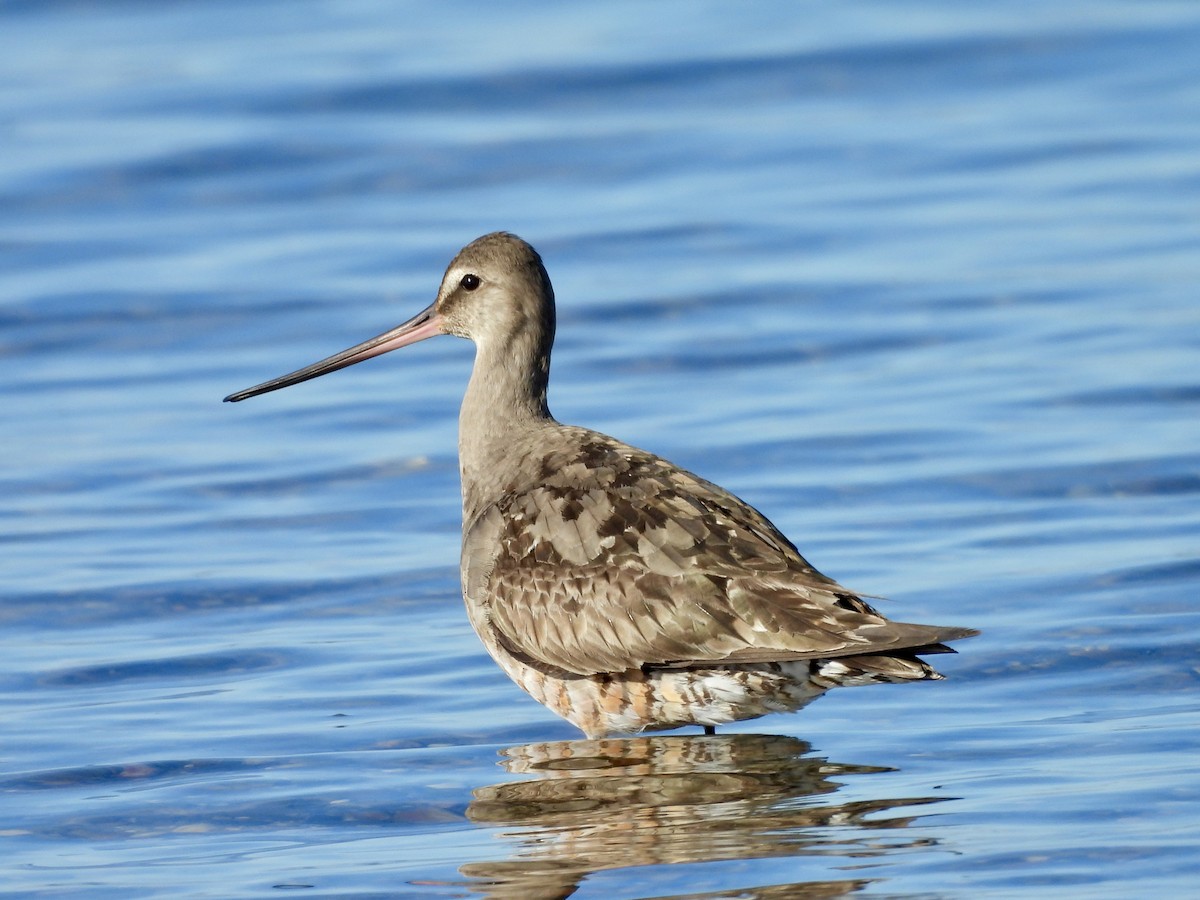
(622, 560)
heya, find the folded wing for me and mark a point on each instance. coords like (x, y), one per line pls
(619, 560)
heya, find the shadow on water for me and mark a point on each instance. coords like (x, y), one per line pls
(601, 805)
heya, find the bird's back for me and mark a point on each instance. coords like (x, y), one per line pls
(602, 557)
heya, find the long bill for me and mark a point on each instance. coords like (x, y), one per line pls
(425, 324)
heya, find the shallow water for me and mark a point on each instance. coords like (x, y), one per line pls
(918, 280)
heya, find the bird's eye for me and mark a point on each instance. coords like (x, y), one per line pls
(470, 282)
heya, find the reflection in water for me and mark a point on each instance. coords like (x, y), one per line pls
(617, 803)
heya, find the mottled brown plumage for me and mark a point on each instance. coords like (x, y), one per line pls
(623, 592)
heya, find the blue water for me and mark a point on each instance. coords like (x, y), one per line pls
(918, 279)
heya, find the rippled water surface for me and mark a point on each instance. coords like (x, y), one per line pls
(917, 279)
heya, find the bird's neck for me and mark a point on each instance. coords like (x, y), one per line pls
(502, 414)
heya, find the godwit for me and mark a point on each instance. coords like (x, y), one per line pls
(621, 591)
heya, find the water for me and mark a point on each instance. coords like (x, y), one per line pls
(916, 279)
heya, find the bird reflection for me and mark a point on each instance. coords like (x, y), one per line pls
(597, 805)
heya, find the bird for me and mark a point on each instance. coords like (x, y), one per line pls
(621, 591)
